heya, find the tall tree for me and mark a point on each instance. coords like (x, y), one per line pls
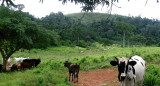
(18, 31)
(124, 27)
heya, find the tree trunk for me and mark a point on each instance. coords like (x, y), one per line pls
(124, 39)
(78, 39)
(4, 63)
(128, 43)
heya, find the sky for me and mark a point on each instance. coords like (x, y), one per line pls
(123, 7)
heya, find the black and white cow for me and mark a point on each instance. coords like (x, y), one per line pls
(131, 70)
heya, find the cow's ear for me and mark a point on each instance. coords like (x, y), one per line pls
(116, 58)
(114, 63)
(132, 63)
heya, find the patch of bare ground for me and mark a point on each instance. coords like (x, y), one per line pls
(100, 77)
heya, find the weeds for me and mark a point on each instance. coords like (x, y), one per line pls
(51, 70)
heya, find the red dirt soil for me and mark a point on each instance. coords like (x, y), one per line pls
(100, 77)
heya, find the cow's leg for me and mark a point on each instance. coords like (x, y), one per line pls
(141, 83)
(122, 83)
(69, 76)
(72, 76)
(77, 77)
(132, 83)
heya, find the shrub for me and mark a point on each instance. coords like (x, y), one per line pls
(95, 60)
(102, 58)
(82, 43)
(152, 77)
(83, 60)
(159, 44)
(97, 45)
(40, 81)
(134, 52)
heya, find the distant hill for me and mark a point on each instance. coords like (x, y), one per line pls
(100, 27)
(89, 18)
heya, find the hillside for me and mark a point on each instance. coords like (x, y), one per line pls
(100, 27)
(89, 18)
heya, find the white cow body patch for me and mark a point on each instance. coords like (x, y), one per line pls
(139, 68)
(131, 70)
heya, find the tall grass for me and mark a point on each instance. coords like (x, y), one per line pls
(152, 76)
(51, 70)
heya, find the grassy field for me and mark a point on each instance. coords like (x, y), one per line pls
(51, 70)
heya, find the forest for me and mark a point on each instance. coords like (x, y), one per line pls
(78, 30)
(82, 30)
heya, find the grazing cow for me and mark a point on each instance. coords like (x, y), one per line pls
(23, 58)
(24, 65)
(9, 62)
(73, 69)
(19, 60)
(19, 66)
(14, 67)
(0, 67)
(131, 70)
(36, 61)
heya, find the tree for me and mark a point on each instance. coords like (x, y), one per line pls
(18, 31)
(124, 27)
(139, 39)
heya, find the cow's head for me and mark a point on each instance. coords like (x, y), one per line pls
(124, 67)
(66, 64)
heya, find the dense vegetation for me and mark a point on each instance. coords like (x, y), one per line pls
(86, 37)
(74, 29)
(18, 31)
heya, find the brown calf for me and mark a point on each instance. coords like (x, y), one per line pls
(73, 69)
(24, 65)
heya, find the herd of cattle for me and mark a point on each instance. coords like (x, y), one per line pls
(20, 63)
(131, 70)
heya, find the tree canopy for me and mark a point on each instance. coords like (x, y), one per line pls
(17, 31)
(124, 27)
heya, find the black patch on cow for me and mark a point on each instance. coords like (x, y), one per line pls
(133, 63)
(133, 69)
(142, 64)
(136, 59)
(1, 67)
(114, 63)
(121, 69)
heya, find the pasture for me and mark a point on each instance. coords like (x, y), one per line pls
(51, 70)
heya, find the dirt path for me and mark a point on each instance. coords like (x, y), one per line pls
(101, 77)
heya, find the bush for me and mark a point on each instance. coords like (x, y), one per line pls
(104, 41)
(40, 81)
(152, 77)
(67, 43)
(82, 43)
(102, 58)
(135, 52)
(83, 60)
(95, 60)
(97, 45)
(159, 44)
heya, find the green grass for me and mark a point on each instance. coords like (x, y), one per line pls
(52, 71)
